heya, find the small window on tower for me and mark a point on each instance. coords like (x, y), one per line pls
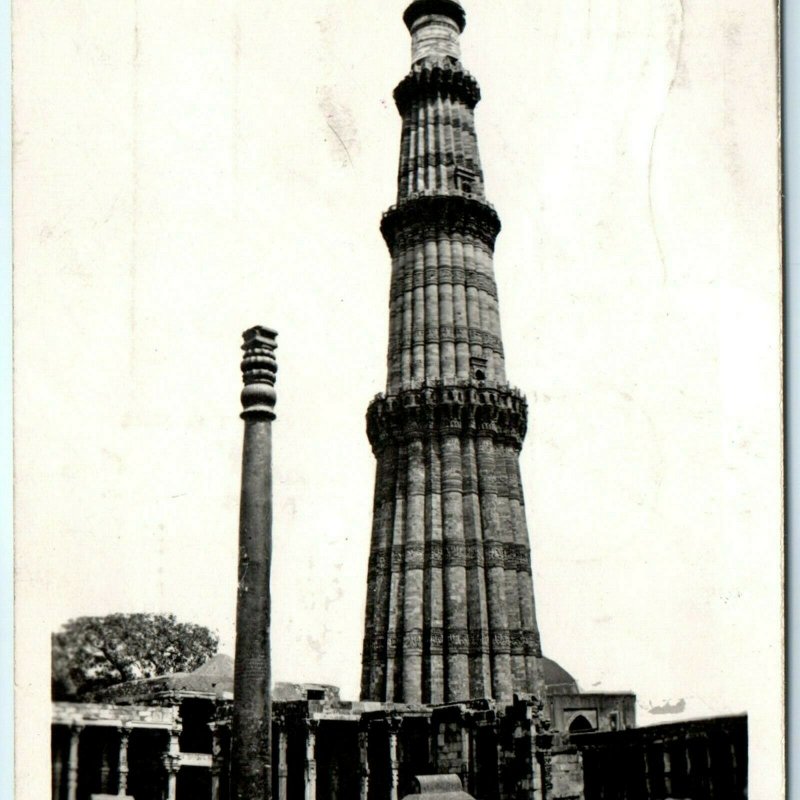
(478, 366)
(465, 180)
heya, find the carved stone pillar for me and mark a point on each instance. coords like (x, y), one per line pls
(363, 759)
(221, 751)
(57, 772)
(648, 781)
(216, 758)
(283, 764)
(546, 771)
(464, 768)
(540, 746)
(72, 761)
(434, 728)
(311, 759)
(536, 789)
(667, 773)
(105, 764)
(394, 724)
(172, 764)
(122, 765)
(468, 753)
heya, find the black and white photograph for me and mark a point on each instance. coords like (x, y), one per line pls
(398, 400)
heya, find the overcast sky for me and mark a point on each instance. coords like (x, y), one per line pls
(185, 170)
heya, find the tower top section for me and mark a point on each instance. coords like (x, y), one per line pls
(435, 26)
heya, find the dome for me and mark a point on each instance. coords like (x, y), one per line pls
(446, 8)
(556, 679)
(220, 665)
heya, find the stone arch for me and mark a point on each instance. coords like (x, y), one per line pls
(580, 725)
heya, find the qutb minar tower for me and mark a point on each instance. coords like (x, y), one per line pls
(450, 612)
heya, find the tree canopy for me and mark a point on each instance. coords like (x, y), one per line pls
(91, 653)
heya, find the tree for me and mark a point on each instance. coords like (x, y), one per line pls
(91, 653)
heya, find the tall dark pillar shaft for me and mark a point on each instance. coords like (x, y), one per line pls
(251, 764)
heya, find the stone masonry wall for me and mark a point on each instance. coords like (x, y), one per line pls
(566, 774)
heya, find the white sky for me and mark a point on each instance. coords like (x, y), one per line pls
(185, 170)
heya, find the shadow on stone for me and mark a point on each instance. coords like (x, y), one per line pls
(439, 787)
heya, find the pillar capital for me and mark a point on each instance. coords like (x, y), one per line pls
(280, 720)
(364, 725)
(216, 738)
(171, 763)
(223, 713)
(258, 373)
(394, 722)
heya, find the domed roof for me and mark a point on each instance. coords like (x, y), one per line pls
(556, 679)
(220, 665)
(446, 8)
(213, 677)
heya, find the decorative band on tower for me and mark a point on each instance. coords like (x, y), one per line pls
(461, 410)
(431, 81)
(450, 612)
(424, 216)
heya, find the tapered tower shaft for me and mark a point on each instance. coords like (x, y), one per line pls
(450, 610)
(251, 770)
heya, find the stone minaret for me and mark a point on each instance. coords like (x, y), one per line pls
(251, 770)
(450, 613)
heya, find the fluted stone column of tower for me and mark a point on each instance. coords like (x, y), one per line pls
(450, 611)
(251, 752)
